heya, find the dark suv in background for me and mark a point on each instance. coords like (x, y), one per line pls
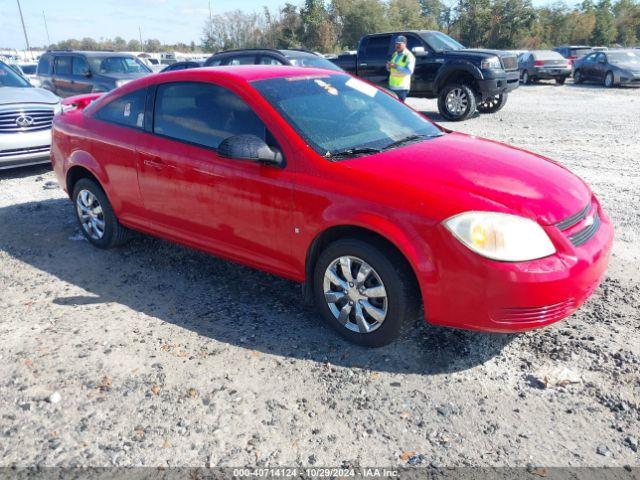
(268, 56)
(68, 73)
(464, 80)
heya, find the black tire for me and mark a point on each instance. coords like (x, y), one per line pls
(578, 77)
(114, 233)
(493, 104)
(561, 80)
(526, 79)
(466, 92)
(609, 80)
(402, 294)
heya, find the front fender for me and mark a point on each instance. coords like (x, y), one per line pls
(455, 67)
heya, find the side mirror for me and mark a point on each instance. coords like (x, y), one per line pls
(419, 51)
(250, 147)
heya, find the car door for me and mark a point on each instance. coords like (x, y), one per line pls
(236, 208)
(588, 67)
(81, 76)
(600, 67)
(61, 79)
(373, 56)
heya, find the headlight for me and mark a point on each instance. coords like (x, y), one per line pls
(120, 83)
(501, 236)
(58, 108)
(491, 63)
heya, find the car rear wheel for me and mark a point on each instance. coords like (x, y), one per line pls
(456, 102)
(526, 79)
(493, 104)
(561, 80)
(577, 77)
(365, 292)
(95, 215)
(608, 80)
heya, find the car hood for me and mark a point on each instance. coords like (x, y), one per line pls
(462, 166)
(479, 53)
(11, 95)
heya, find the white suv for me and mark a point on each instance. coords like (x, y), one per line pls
(26, 114)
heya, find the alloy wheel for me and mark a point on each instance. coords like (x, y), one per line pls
(457, 101)
(608, 80)
(355, 294)
(90, 214)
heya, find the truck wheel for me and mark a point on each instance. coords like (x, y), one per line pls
(493, 104)
(456, 102)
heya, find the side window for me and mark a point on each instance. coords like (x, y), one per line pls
(80, 66)
(412, 42)
(377, 48)
(203, 114)
(127, 110)
(63, 66)
(44, 65)
(242, 60)
(267, 60)
(601, 58)
(213, 62)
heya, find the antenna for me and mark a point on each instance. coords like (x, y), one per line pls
(24, 29)
(46, 28)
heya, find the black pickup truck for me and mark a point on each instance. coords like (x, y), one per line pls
(462, 79)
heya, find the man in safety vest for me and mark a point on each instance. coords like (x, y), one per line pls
(401, 68)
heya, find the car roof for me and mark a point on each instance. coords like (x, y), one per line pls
(89, 53)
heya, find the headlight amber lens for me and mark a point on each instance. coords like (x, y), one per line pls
(501, 236)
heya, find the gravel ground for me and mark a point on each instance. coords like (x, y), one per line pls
(154, 354)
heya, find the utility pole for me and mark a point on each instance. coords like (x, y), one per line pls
(141, 44)
(24, 29)
(46, 29)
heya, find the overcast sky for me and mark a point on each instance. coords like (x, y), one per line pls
(170, 21)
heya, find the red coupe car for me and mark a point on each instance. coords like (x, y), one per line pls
(326, 180)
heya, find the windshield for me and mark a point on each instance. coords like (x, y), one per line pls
(9, 78)
(334, 113)
(441, 42)
(628, 56)
(105, 65)
(312, 61)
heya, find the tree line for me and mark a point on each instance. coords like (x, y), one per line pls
(335, 25)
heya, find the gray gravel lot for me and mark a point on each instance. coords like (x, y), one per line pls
(154, 354)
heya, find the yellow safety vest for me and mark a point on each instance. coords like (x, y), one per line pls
(399, 80)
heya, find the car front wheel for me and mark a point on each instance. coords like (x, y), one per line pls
(365, 292)
(577, 77)
(456, 102)
(493, 104)
(608, 80)
(95, 215)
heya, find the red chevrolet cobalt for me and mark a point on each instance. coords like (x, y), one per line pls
(324, 179)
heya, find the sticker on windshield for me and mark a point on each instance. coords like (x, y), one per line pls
(362, 87)
(330, 89)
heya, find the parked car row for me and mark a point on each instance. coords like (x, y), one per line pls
(610, 67)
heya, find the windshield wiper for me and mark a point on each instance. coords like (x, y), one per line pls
(409, 139)
(350, 152)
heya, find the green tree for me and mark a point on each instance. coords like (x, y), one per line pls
(604, 31)
(355, 18)
(317, 29)
(627, 22)
(409, 15)
(474, 20)
(510, 21)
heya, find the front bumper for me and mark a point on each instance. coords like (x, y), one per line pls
(476, 293)
(495, 83)
(629, 78)
(24, 148)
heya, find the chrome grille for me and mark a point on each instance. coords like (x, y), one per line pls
(587, 230)
(584, 235)
(510, 62)
(25, 120)
(24, 151)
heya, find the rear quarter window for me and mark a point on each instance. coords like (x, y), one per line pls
(127, 110)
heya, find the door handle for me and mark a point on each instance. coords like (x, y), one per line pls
(363, 64)
(153, 161)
